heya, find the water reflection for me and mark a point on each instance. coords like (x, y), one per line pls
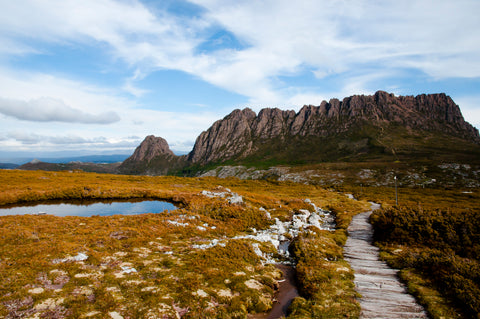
(90, 208)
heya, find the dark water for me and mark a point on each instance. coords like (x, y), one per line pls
(90, 208)
(285, 295)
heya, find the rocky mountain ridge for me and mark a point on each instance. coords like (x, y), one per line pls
(380, 128)
(242, 132)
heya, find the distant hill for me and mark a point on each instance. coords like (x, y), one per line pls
(380, 127)
(8, 166)
(424, 140)
(110, 168)
(105, 159)
(24, 158)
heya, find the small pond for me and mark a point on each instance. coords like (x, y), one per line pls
(90, 208)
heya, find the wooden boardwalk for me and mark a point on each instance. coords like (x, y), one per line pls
(383, 295)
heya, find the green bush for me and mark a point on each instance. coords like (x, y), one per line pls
(443, 246)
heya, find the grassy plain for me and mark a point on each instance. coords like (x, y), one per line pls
(39, 276)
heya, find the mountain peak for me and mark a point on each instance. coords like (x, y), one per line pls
(357, 121)
(152, 157)
(378, 127)
(150, 148)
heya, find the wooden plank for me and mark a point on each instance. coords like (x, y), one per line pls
(383, 295)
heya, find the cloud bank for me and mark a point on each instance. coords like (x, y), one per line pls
(52, 110)
(271, 53)
(71, 141)
(273, 39)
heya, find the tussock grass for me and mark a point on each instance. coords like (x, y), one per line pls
(171, 277)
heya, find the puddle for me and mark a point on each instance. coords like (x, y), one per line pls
(90, 208)
(287, 291)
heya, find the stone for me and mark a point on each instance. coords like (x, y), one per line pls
(36, 291)
(115, 315)
(151, 147)
(253, 284)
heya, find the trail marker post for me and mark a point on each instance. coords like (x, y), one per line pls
(396, 193)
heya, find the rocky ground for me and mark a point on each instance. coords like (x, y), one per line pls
(441, 175)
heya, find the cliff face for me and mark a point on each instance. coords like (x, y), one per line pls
(152, 157)
(151, 147)
(243, 133)
(358, 128)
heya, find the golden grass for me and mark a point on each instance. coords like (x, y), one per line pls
(172, 278)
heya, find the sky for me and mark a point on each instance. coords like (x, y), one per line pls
(97, 76)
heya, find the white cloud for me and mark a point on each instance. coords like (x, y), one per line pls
(91, 99)
(178, 128)
(69, 141)
(80, 104)
(130, 88)
(24, 137)
(46, 109)
(281, 37)
(470, 109)
(356, 43)
(333, 37)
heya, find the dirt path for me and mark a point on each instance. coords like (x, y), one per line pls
(383, 296)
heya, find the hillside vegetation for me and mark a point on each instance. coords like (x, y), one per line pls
(433, 237)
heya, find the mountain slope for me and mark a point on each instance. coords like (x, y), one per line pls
(380, 128)
(152, 157)
(360, 127)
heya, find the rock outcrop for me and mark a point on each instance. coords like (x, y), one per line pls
(358, 128)
(243, 133)
(152, 157)
(150, 148)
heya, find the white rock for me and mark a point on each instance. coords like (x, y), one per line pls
(36, 291)
(225, 293)
(201, 293)
(253, 284)
(174, 222)
(277, 233)
(80, 257)
(235, 199)
(128, 270)
(115, 315)
(49, 303)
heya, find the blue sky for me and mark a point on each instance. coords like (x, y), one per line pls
(97, 76)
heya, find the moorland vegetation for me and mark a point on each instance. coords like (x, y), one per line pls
(433, 237)
(151, 266)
